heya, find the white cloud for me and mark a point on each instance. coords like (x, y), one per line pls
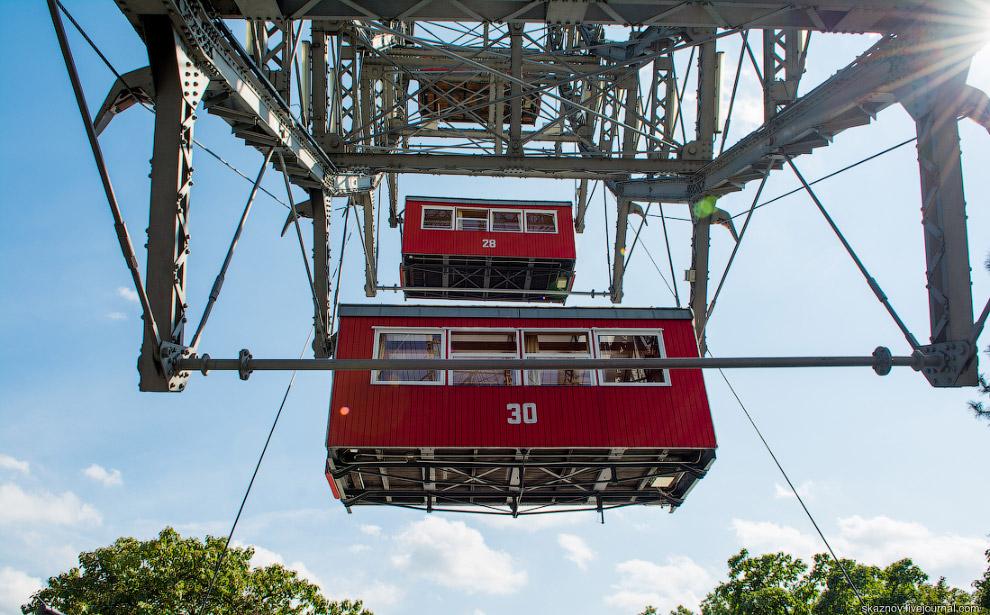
(99, 473)
(455, 556)
(358, 548)
(375, 595)
(16, 588)
(371, 530)
(16, 505)
(381, 594)
(117, 316)
(882, 540)
(642, 583)
(766, 537)
(128, 294)
(9, 463)
(805, 490)
(878, 541)
(263, 558)
(538, 523)
(576, 549)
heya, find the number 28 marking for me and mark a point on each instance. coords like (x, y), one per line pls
(487, 243)
(526, 413)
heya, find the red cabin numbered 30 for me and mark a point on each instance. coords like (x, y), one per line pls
(514, 439)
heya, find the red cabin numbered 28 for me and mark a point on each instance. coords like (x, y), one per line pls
(488, 250)
(516, 440)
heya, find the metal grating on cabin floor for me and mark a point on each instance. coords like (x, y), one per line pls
(480, 278)
(516, 481)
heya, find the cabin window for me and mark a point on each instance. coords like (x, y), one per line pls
(541, 222)
(472, 219)
(631, 345)
(438, 218)
(547, 344)
(408, 345)
(506, 221)
(484, 344)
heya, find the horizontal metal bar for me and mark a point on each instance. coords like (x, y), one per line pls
(504, 291)
(247, 364)
(569, 167)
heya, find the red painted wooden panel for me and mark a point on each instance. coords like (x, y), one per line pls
(675, 416)
(417, 240)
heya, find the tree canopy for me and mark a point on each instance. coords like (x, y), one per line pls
(171, 574)
(779, 584)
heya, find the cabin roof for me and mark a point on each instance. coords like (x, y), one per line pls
(491, 203)
(469, 311)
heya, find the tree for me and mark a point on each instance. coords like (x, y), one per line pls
(982, 595)
(977, 407)
(780, 584)
(171, 574)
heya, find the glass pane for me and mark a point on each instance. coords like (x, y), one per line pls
(409, 346)
(630, 347)
(506, 221)
(472, 219)
(540, 222)
(558, 343)
(438, 218)
(483, 345)
(562, 377)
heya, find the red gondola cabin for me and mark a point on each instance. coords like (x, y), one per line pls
(512, 439)
(488, 250)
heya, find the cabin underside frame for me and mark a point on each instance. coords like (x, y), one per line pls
(515, 481)
(485, 278)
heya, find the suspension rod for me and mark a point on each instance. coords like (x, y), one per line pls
(881, 361)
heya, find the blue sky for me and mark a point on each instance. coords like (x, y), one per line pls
(890, 467)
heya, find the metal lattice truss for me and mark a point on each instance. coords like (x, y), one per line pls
(354, 93)
(515, 481)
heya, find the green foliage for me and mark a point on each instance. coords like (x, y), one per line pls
(780, 584)
(982, 594)
(979, 410)
(770, 584)
(171, 575)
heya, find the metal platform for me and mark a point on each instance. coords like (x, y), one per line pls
(486, 278)
(515, 481)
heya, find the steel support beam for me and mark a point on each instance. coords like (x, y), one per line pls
(175, 78)
(943, 210)
(319, 201)
(701, 214)
(782, 53)
(566, 167)
(619, 252)
(835, 16)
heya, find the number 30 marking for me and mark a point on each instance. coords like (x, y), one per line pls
(521, 414)
(487, 243)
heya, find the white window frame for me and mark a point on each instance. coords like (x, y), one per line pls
(429, 330)
(552, 212)
(543, 355)
(522, 220)
(612, 331)
(487, 218)
(422, 218)
(516, 374)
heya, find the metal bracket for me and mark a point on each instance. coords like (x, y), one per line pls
(955, 355)
(170, 355)
(243, 364)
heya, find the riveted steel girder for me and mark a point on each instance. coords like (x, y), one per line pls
(827, 15)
